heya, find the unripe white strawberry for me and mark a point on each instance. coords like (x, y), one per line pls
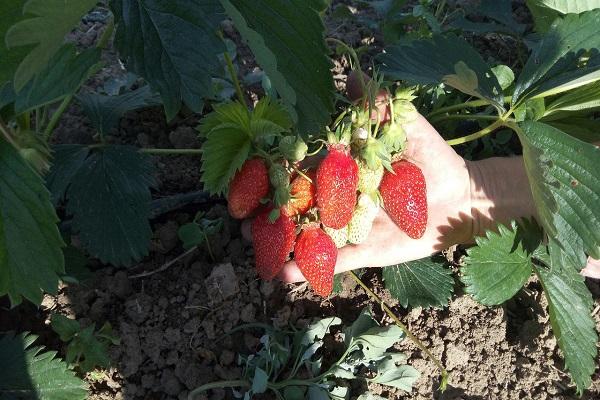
(362, 220)
(369, 179)
(339, 236)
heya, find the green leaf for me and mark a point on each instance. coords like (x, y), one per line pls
(392, 371)
(11, 12)
(105, 111)
(504, 74)
(317, 393)
(564, 174)
(66, 328)
(447, 59)
(50, 21)
(31, 258)
(109, 199)
(497, 10)
(260, 381)
(498, 267)
(287, 41)
(294, 392)
(374, 342)
(76, 270)
(583, 98)
(317, 330)
(569, 306)
(545, 11)
(29, 373)
(224, 152)
(585, 129)
(173, 45)
(86, 349)
(554, 65)
(191, 235)
(68, 158)
(421, 283)
(63, 76)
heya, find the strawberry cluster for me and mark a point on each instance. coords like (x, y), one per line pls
(312, 206)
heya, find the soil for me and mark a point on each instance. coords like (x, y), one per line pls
(171, 323)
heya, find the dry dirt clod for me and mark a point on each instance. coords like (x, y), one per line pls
(221, 284)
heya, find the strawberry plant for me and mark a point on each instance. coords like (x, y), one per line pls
(313, 172)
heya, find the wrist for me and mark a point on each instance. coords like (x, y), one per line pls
(499, 192)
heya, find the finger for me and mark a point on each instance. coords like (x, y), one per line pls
(247, 229)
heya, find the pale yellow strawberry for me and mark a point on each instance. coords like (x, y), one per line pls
(369, 179)
(339, 236)
(362, 219)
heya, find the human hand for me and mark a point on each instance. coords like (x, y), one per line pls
(448, 198)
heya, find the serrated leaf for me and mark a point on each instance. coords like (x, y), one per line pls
(50, 21)
(67, 159)
(26, 217)
(564, 174)
(66, 328)
(498, 267)
(554, 65)
(109, 199)
(287, 41)
(27, 372)
(63, 76)
(11, 12)
(105, 112)
(569, 305)
(447, 59)
(173, 45)
(420, 283)
(224, 152)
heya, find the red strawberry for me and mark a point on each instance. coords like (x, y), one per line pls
(405, 197)
(316, 255)
(337, 182)
(273, 242)
(303, 195)
(248, 186)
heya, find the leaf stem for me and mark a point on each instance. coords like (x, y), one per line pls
(164, 152)
(217, 385)
(464, 116)
(413, 338)
(476, 135)
(234, 79)
(56, 117)
(467, 104)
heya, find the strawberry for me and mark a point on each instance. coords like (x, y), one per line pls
(337, 182)
(339, 236)
(316, 255)
(303, 195)
(362, 220)
(248, 186)
(369, 179)
(404, 196)
(273, 242)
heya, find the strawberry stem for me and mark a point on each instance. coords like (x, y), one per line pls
(413, 338)
(234, 79)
